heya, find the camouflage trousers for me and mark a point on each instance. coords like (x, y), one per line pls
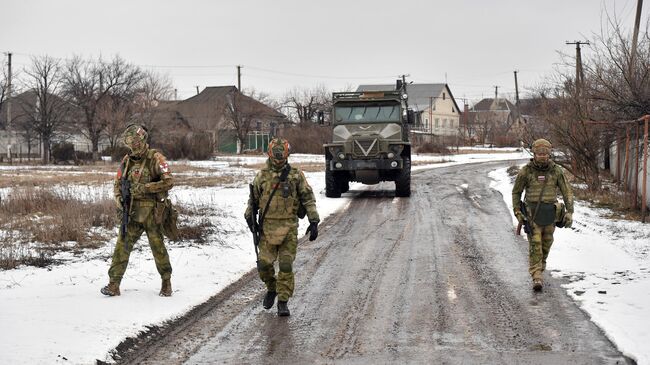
(285, 253)
(539, 244)
(133, 232)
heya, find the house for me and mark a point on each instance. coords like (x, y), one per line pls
(211, 111)
(495, 121)
(437, 113)
(23, 133)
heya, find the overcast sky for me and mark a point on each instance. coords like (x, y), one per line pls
(281, 44)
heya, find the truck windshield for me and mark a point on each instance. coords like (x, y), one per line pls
(367, 113)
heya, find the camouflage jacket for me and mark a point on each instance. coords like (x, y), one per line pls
(152, 171)
(287, 198)
(531, 179)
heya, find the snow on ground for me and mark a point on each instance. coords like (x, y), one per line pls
(57, 315)
(605, 265)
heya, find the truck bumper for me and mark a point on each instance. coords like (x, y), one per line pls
(372, 164)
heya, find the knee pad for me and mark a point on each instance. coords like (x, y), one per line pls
(286, 266)
(264, 266)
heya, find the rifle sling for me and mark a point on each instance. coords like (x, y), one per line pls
(283, 178)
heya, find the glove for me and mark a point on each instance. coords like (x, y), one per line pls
(568, 220)
(312, 230)
(138, 191)
(520, 217)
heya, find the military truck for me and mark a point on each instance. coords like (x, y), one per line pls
(369, 141)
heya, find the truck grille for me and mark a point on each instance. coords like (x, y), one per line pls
(366, 147)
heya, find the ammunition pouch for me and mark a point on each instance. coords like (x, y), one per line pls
(560, 212)
(169, 219)
(545, 213)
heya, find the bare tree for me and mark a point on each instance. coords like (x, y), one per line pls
(42, 108)
(153, 89)
(99, 89)
(243, 113)
(304, 104)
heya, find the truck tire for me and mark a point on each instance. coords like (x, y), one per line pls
(344, 185)
(332, 189)
(403, 182)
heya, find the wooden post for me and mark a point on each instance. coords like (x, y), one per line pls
(636, 169)
(645, 167)
(627, 160)
(618, 157)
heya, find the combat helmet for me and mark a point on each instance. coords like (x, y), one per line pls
(279, 150)
(541, 151)
(135, 138)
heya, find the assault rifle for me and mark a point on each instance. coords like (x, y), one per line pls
(254, 226)
(525, 223)
(125, 190)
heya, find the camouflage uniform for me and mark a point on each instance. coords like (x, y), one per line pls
(532, 179)
(280, 227)
(151, 179)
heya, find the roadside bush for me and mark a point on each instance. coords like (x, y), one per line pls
(430, 147)
(513, 170)
(196, 146)
(63, 151)
(307, 138)
(116, 152)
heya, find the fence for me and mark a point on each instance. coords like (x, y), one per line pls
(628, 161)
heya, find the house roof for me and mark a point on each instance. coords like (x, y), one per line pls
(419, 94)
(491, 104)
(212, 101)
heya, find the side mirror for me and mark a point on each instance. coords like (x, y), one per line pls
(321, 117)
(410, 116)
(398, 85)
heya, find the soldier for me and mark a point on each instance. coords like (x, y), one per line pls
(279, 190)
(150, 178)
(541, 178)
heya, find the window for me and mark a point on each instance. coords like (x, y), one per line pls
(437, 121)
(453, 110)
(444, 123)
(444, 96)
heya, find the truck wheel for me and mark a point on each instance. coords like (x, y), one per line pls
(403, 182)
(332, 189)
(344, 185)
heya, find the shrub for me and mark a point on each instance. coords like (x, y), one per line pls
(307, 138)
(63, 151)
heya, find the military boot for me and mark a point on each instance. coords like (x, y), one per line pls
(537, 284)
(269, 299)
(283, 309)
(166, 288)
(112, 289)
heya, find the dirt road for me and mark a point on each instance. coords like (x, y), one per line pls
(436, 278)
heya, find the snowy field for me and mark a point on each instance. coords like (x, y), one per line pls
(605, 265)
(57, 315)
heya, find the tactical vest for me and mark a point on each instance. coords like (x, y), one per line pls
(143, 172)
(535, 181)
(284, 204)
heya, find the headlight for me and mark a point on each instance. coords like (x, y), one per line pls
(393, 164)
(338, 165)
(391, 155)
(341, 156)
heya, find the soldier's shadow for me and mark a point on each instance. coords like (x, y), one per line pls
(279, 336)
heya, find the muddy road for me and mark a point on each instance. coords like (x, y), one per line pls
(436, 278)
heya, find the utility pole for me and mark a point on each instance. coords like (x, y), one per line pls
(9, 139)
(516, 90)
(580, 78)
(496, 92)
(197, 89)
(239, 78)
(175, 94)
(635, 37)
